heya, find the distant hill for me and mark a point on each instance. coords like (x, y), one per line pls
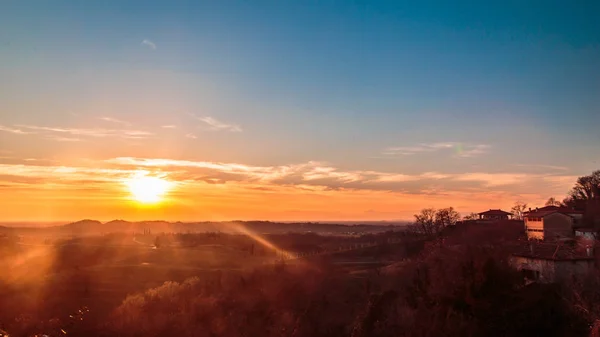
(94, 227)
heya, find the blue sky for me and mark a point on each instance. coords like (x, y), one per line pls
(385, 86)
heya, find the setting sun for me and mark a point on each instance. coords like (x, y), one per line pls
(146, 189)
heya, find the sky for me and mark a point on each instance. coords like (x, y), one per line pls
(294, 110)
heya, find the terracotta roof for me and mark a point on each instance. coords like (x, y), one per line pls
(565, 210)
(542, 212)
(495, 212)
(560, 251)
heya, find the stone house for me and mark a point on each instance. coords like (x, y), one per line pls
(553, 262)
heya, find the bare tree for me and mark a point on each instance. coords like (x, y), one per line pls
(518, 209)
(431, 221)
(446, 217)
(471, 216)
(425, 222)
(552, 202)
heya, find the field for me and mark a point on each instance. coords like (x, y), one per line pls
(61, 278)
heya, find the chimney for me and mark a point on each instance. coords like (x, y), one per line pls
(530, 209)
(536, 209)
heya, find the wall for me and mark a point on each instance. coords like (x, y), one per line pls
(557, 225)
(534, 229)
(545, 268)
(567, 269)
(588, 236)
(552, 270)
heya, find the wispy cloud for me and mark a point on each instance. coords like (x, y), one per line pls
(472, 150)
(543, 167)
(192, 136)
(217, 125)
(149, 44)
(308, 177)
(114, 120)
(64, 139)
(460, 149)
(493, 179)
(168, 126)
(13, 130)
(97, 133)
(321, 174)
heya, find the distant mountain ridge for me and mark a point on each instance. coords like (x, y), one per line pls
(95, 227)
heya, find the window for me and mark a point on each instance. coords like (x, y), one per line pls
(535, 230)
(530, 274)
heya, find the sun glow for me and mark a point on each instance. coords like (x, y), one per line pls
(147, 189)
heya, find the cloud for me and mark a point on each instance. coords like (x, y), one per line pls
(64, 139)
(307, 177)
(149, 43)
(324, 176)
(217, 125)
(168, 126)
(493, 179)
(13, 130)
(460, 149)
(473, 150)
(96, 133)
(543, 167)
(114, 120)
(192, 136)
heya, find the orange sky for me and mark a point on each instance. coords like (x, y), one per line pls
(222, 191)
(329, 111)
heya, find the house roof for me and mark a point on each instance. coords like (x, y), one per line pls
(565, 210)
(560, 251)
(544, 211)
(495, 212)
(540, 214)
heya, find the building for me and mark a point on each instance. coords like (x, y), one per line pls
(550, 223)
(576, 215)
(552, 262)
(494, 214)
(587, 234)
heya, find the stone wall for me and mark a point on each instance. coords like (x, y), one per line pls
(553, 270)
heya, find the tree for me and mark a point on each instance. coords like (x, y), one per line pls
(471, 216)
(552, 202)
(585, 192)
(425, 222)
(446, 217)
(431, 221)
(518, 209)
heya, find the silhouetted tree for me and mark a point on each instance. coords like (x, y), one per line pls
(471, 216)
(552, 202)
(518, 209)
(431, 221)
(446, 217)
(425, 222)
(586, 189)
